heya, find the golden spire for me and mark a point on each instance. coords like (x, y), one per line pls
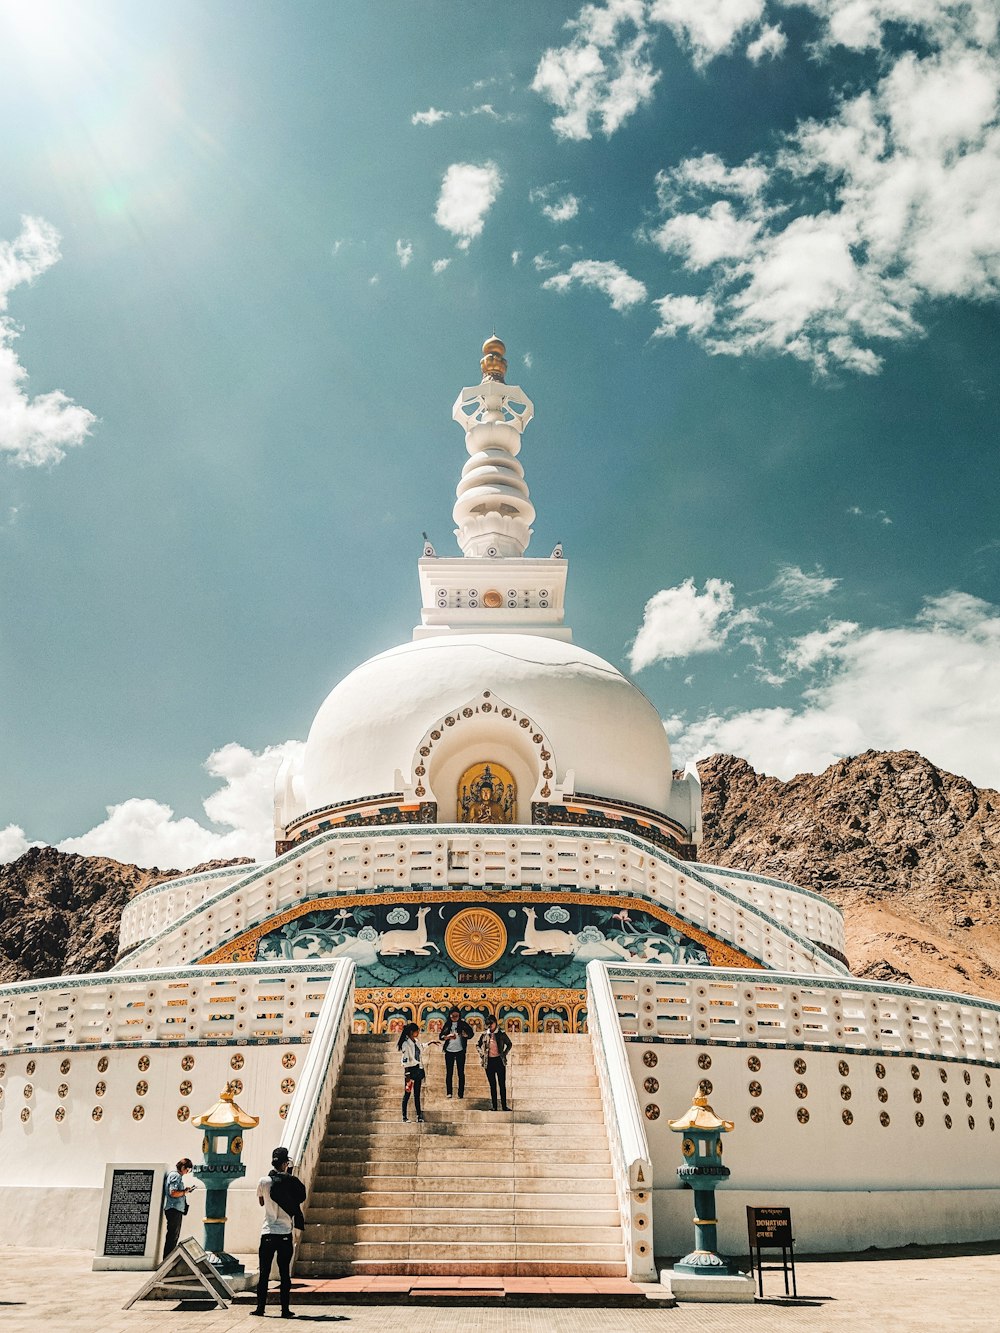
(494, 363)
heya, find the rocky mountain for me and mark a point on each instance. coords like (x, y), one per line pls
(909, 852)
(59, 913)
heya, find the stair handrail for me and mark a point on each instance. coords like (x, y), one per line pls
(630, 1157)
(309, 1110)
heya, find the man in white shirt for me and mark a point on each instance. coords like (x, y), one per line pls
(281, 1195)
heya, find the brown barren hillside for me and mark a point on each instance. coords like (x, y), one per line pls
(59, 913)
(909, 852)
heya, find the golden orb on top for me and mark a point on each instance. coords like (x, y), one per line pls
(494, 362)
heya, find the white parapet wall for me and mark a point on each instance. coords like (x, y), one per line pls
(630, 1159)
(867, 1108)
(787, 928)
(112, 1068)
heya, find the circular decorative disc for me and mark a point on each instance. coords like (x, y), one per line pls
(687, 1147)
(475, 938)
(649, 1059)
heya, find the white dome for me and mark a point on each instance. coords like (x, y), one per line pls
(603, 733)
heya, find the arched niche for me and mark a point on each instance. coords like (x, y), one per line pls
(484, 730)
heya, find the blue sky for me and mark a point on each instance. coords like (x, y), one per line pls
(745, 256)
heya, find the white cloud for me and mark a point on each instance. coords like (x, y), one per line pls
(604, 275)
(932, 685)
(708, 27)
(13, 843)
(146, 832)
(563, 210)
(468, 192)
(528, 360)
(603, 75)
(556, 206)
(440, 265)
(771, 43)
(694, 313)
(515, 255)
(879, 515)
(909, 172)
(33, 431)
(431, 116)
(796, 589)
(680, 621)
(808, 651)
(404, 252)
(374, 280)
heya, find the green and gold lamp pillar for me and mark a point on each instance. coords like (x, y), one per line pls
(222, 1147)
(702, 1172)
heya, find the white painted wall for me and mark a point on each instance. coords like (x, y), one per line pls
(52, 1173)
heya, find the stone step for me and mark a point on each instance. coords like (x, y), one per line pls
(456, 1268)
(463, 1215)
(508, 1194)
(486, 1250)
(564, 1173)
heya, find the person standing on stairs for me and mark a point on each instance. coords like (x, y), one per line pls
(412, 1053)
(455, 1037)
(493, 1045)
(281, 1195)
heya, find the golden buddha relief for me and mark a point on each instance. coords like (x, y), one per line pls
(487, 794)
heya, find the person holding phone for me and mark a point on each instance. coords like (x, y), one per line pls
(175, 1204)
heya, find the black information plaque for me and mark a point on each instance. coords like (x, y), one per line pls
(129, 1208)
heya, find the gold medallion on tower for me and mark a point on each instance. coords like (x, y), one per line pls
(475, 938)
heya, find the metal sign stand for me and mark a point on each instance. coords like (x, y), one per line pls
(771, 1228)
(189, 1261)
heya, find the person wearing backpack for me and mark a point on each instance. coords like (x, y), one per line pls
(281, 1194)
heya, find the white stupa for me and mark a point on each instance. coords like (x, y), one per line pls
(485, 817)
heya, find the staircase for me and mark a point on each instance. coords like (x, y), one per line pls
(471, 1191)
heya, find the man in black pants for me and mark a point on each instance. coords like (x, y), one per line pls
(493, 1047)
(281, 1195)
(455, 1036)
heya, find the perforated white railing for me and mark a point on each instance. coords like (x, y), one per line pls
(442, 857)
(630, 1157)
(154, 907)
(309, 1111)
(741, 1007)
(252, 1002)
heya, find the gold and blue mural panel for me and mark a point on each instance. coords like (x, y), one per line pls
(546, 942)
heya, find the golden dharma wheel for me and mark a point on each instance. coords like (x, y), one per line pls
(475, 938)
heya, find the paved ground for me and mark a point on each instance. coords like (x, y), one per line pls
(904, 1291)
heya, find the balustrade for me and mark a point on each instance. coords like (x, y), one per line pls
(358, 861)
(725, 1006)
(231, 1003)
